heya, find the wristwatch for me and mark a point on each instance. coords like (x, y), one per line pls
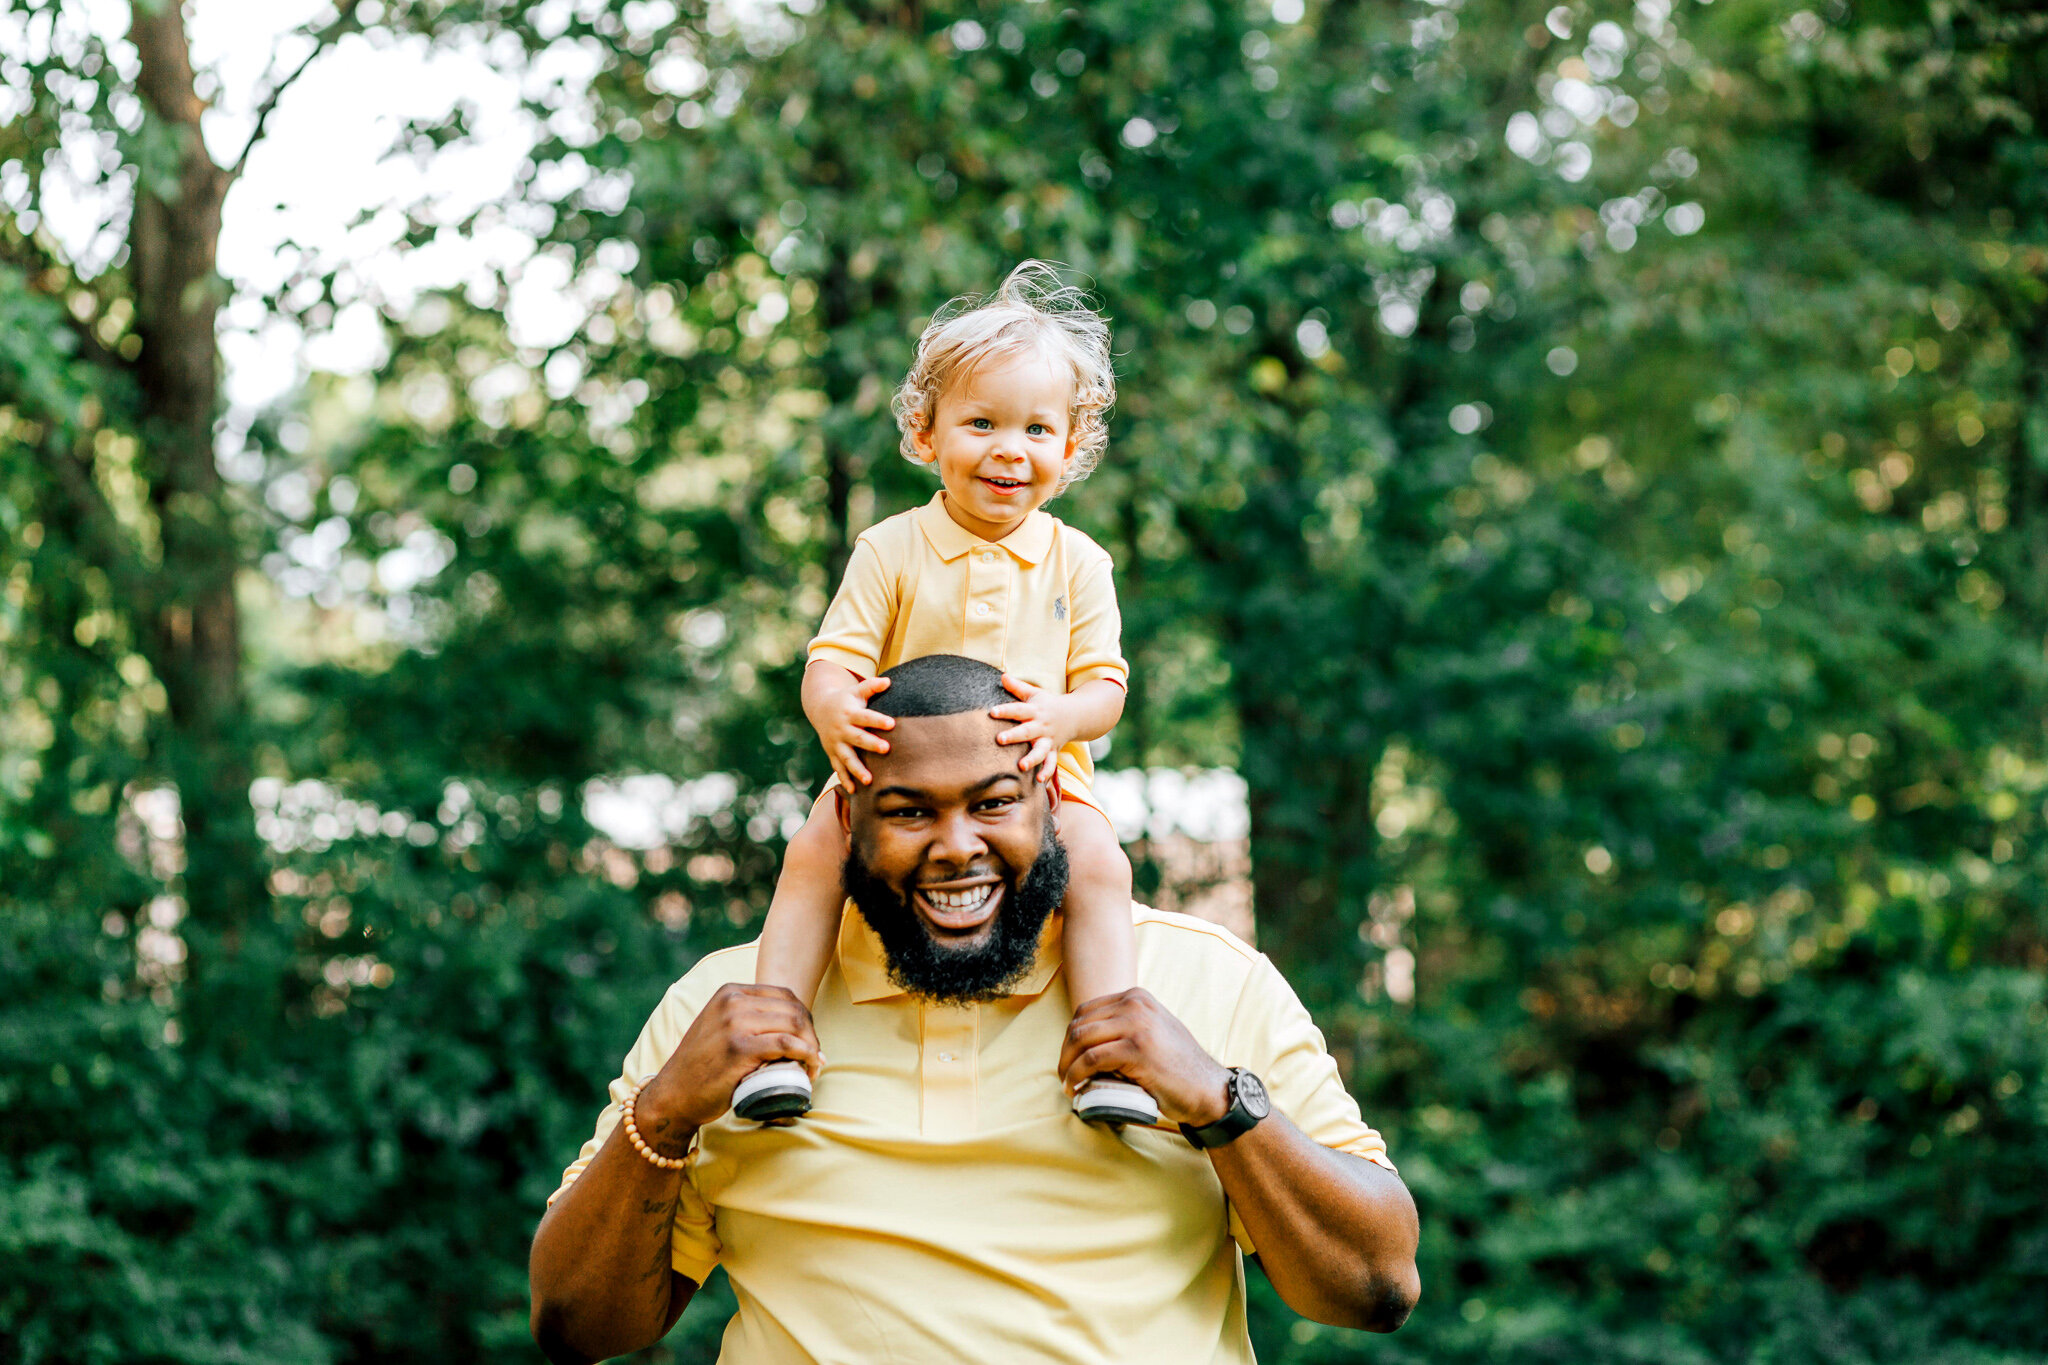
(1248, 1104)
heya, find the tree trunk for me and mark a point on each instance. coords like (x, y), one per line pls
(835, 297)
(2027, 472)
(1308, 760)
(1313, 844)
(194, 639)
(840, 377)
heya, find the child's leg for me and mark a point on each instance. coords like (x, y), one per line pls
(796, 946)
(802, 927)
(1100, 950)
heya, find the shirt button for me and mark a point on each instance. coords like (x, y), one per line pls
(945, 1056)
(988, 556)
(982, 608)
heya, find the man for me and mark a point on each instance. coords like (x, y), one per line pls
(940, 1202)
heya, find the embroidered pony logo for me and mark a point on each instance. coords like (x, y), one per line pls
(1059, 608)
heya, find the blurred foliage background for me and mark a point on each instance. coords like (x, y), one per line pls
(1586, 469)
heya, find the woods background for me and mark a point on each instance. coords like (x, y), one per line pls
(1587, 470)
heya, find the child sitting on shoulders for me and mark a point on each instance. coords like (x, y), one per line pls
(1008, 402)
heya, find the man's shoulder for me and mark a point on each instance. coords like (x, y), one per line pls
(1189, 934)
(701, 982)
(1228, 993)
(1180, 956)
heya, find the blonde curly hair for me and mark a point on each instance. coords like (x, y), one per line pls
(1031, 310)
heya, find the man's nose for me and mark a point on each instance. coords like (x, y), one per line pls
(955, 840)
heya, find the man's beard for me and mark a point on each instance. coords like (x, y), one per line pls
(961, 975)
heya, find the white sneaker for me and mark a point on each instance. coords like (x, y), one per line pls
(1109, 1099)
(776, 1090)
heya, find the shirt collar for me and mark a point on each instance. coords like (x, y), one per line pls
(1029, 543)
(867, 971)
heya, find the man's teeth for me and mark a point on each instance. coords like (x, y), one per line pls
(960, 900)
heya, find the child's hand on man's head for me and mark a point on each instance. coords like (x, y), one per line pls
(846, 727)
(1040, 724)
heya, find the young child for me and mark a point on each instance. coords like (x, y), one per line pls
(1008, 402)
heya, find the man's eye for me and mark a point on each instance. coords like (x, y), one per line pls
(905, 813)
(995, 804)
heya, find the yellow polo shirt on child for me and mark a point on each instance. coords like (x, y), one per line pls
(940, 1203)
(1039, 603)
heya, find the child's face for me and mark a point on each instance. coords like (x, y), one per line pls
(1002, 437)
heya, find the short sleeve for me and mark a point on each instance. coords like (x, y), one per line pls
(1095, 640)
(1273, 1036)
(856, 626)
(693, 1245)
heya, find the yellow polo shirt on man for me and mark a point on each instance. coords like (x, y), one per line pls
(940, 1203)
(1039, 603)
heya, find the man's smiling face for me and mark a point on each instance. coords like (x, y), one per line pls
(952, 860)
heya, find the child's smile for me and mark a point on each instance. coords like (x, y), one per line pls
(1002, 435)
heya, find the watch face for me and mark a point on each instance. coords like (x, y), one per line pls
(1251, 1093)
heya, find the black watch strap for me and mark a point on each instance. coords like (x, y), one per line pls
(1248, 1104)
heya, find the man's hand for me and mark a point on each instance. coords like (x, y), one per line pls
(836, 703)
(741, 1027)
(1135, 1036)
(1043, 723)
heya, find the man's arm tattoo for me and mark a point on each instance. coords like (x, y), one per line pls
(658, 1264)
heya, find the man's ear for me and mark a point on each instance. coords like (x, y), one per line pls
(844, 800)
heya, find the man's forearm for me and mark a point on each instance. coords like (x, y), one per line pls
(600, 1270)
(1335, 1233)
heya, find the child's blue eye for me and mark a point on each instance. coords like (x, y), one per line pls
(982, 424)
(1040, 429)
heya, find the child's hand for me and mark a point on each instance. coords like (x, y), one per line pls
(846, 727)
(1041, 723)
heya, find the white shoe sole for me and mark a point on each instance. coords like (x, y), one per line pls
(778, 1090)
(1112, 1101)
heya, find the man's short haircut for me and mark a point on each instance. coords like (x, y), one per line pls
(940, 685)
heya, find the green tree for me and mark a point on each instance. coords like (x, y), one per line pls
(1584, 473)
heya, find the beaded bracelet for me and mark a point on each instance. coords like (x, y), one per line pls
(667, 1163)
